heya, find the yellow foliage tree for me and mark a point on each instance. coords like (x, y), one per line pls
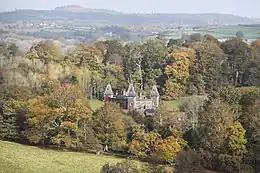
(177, 72)
(44, 50)
(39, 119)
(167, 148)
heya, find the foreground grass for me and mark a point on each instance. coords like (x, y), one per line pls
(17, 158)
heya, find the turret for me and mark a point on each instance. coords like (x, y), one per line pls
(108, 94)
(155, 96)
(131, 97)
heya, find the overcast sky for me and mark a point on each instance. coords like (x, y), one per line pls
(249, 8)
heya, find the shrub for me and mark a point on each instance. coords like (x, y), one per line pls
(124, 167)
(188, 162)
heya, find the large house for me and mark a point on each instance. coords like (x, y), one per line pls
(130, 100)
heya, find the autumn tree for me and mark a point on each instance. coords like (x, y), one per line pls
(177, 72)
(60, 119)
(143, 144)
(88, 56)
(40, 118)
(152, 146)
(46, 51)
(222, 137)
(167, 148)
(210, 38)
(75, 113)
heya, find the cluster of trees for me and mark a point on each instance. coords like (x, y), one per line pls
(178, 68)
(225, 137)
(44, 100)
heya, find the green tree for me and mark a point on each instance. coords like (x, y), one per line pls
(208, 66)
(126, 167)
(251, 77)
(240, 34)
(188, 161)
(148, 59)
(238, 55)
(250, 120)
(12, 120)
(109, 127)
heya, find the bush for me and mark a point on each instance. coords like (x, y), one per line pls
(246, 169)
(221, 162)
(124, 167)
(158, 169)
(188, 162)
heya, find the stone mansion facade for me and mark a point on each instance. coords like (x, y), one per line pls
(130, 100)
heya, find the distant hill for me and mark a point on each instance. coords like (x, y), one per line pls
(76, 8)
(78, 14)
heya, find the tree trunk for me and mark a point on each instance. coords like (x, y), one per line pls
(140, 75)
(236, 78)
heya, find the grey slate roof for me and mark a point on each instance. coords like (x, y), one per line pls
(108, 91)
(154, 92)
(131, 91)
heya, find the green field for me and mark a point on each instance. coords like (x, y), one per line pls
(224, 32)
(173, 105)
(17, 158)
(230, 31)
(96, 104)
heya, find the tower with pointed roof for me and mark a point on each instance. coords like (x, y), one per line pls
(108, 94)
(131, 97)
(155, 96)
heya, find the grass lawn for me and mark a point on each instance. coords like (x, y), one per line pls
(174, 104)
(17, 158)
(96, 104)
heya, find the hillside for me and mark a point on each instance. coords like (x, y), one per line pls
(19, 158)
(79, 14)
(76, 8)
